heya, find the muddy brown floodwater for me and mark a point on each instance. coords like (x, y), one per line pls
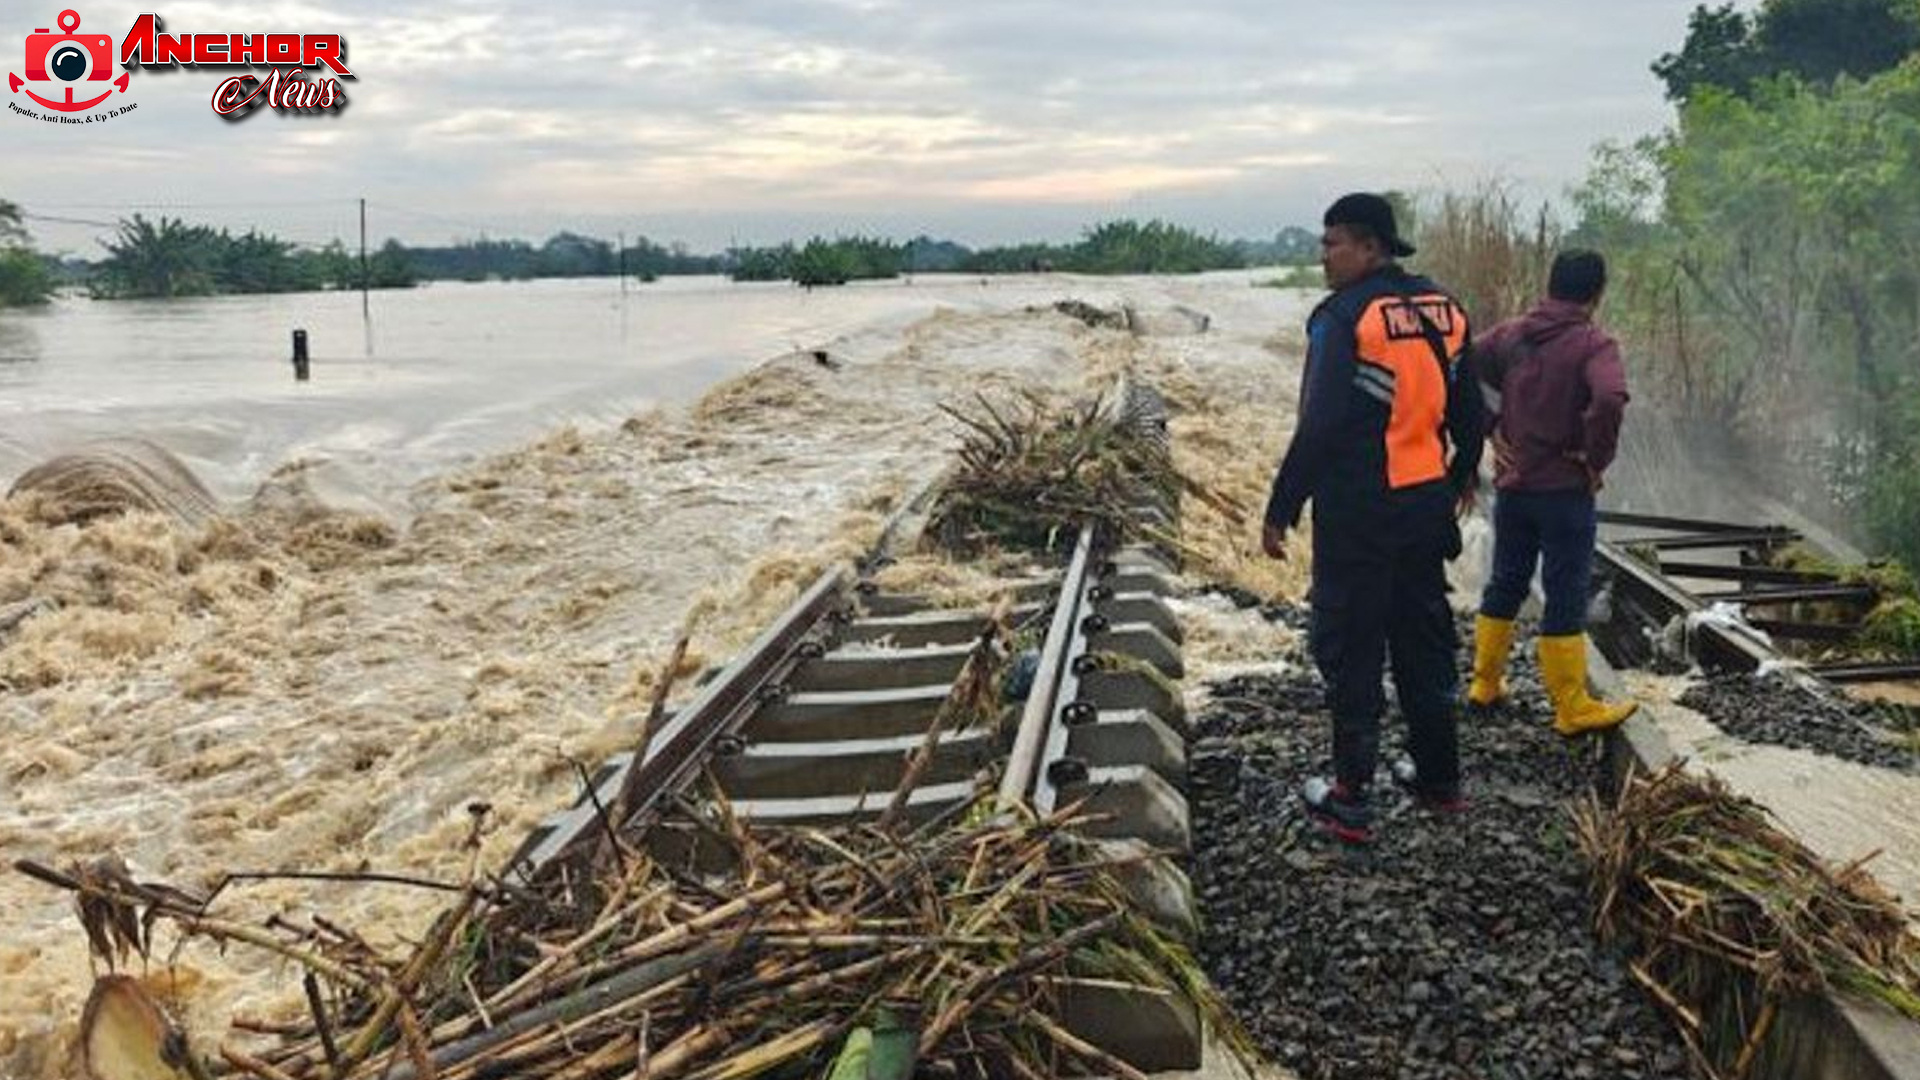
(300, 686)
(1842, 810)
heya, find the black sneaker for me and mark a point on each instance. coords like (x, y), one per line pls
(1341, 814)
(1438, 801)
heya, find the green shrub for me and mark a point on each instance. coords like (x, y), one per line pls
(23, 277)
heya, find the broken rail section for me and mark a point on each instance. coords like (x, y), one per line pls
(1722, 580)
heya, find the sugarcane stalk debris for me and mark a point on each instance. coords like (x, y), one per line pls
(1726, 918)
(758, 967)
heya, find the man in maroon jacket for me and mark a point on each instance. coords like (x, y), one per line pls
(1559, 392)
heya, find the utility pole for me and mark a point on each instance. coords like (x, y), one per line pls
(366, 313)
(623, 262)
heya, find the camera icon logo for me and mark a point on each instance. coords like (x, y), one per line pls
(68, 59)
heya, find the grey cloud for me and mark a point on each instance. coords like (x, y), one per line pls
(1239, 116)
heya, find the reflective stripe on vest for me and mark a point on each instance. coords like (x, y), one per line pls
(1393, 355)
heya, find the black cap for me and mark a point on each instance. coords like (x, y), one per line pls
(1373, 212)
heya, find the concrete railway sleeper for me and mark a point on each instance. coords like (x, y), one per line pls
(816, 721)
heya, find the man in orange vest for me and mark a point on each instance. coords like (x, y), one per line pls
(1387, 443)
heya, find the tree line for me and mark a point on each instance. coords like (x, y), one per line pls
(1766, 246)
(168, 257)
(1764, 251)
(25, 277)
(150, 259)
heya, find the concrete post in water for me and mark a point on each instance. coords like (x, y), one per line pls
(300, 355)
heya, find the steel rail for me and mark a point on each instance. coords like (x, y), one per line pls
(1039, 767)
(674, 755)
(1719, 644)
(1677, 524)
(1868, 671)
(1035, 734)
(1755, 538)
(1727, 572)
(1056, 770)
(1795, 594)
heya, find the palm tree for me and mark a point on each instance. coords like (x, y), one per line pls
(170, 258)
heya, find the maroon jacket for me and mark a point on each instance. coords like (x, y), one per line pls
(1558, 392)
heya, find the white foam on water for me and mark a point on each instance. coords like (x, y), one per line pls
(402, 618)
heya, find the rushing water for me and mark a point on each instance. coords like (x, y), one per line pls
(347, 713)
(279, 691)
(435, 375)
(1841, 810)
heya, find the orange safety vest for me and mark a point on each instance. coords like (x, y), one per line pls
(1396, 366)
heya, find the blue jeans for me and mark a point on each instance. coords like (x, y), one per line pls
(1556, 530)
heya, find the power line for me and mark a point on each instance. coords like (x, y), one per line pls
(197, 206)
(463, 224)
(70, 221)
(316, 245)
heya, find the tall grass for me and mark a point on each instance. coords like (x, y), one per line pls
(1485, 248)
(1680, 444)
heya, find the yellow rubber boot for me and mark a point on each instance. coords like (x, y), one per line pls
(1492, 640)
(1563, 667)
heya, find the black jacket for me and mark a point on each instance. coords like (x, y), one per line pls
(1378, 409)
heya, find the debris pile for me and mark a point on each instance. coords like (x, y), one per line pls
(1727, 917)
(1030, 475)
(1096, 317)
(971, 933)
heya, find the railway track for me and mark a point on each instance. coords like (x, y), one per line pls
(1740, 610)
(822, 718)
(996, 793)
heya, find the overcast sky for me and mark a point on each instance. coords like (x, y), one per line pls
(981, 120)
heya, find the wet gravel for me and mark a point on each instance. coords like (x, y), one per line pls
(1453, 947)
(1770, 709)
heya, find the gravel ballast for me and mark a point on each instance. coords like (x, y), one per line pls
(1775, 710)
(1453, 947)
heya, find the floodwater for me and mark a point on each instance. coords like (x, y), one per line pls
(1843, 811)
(432, 377)
(471, 554)
(478, 543)
(474, 546)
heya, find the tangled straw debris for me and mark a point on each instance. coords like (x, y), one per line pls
(716, 948)
(1030, 475)
(968, 932)
(1726, 917)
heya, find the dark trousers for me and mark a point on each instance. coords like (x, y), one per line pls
(1380, 592)
(1555, 529)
